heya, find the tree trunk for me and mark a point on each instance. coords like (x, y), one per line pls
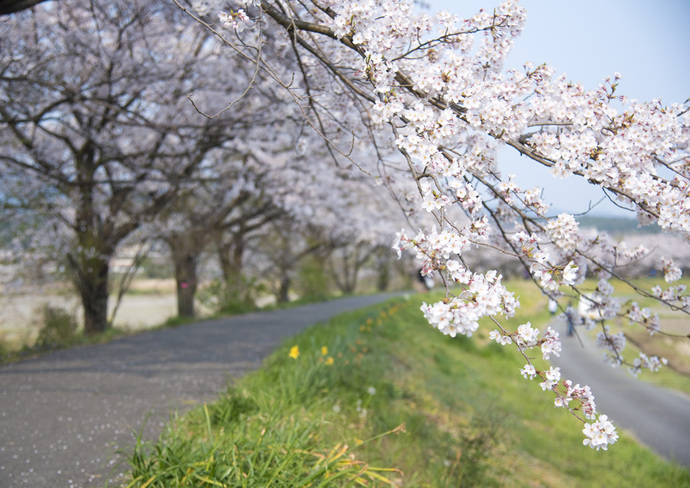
(346, 281)
(185, 250)
(90, 277)
(383, 278)
(186, 277)
(230, 256)
(96, 310)
(284, 290)
(383, 266)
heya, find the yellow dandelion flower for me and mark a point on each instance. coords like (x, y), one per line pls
(329, 361)
(294, 352)
(324, 350)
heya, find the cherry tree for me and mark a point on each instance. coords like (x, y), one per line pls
(190, 229)
(94, 117)
(440, 86)
(363, 225)
(278, 182)
(242, 188)
(235, 189)
(231, 200)
(341, 221)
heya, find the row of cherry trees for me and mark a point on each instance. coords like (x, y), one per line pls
(436, 88)
(280, 88)
(125, 122)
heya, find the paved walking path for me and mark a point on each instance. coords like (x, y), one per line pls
(657, 417)
(64, 415)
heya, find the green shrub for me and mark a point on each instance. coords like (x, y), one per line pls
(222, 298)
(4, 351)
(312, 282)
(58, 327)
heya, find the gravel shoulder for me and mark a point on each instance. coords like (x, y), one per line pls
(64, 416)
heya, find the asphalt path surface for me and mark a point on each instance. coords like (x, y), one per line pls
(65, 415)
(658, 418)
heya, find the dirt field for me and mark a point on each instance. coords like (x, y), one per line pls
(150, 304)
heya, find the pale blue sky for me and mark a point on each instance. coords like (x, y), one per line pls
(646, 42)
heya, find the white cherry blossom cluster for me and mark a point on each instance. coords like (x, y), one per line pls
(529, 372)
(652, 363)
(503, 339)
(552, 378)
(600, 434)
(581, 394)
(675, 295)
(526, 336)
(672, 272)
(483, 295)
(613, 343)
(434, 247)
(441, 85)
(563, 232)
(602, 303)
(620, 252)
(551, 344)
(644, 317)
(530, 198)
(236, 20)
(550, 277)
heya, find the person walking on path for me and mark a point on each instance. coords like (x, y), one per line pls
(553, 306)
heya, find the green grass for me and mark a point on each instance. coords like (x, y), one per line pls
(658, 345)
(376, 397)
(666, 377)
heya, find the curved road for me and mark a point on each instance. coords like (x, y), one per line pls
(63, 416)
(656, 417)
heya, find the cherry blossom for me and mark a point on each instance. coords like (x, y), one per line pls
(106, 129)
(436, 88)
(553, 377)
(600, 433)
(529, 372)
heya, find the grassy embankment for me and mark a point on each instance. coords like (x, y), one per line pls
(673, 343)
(378, 398)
